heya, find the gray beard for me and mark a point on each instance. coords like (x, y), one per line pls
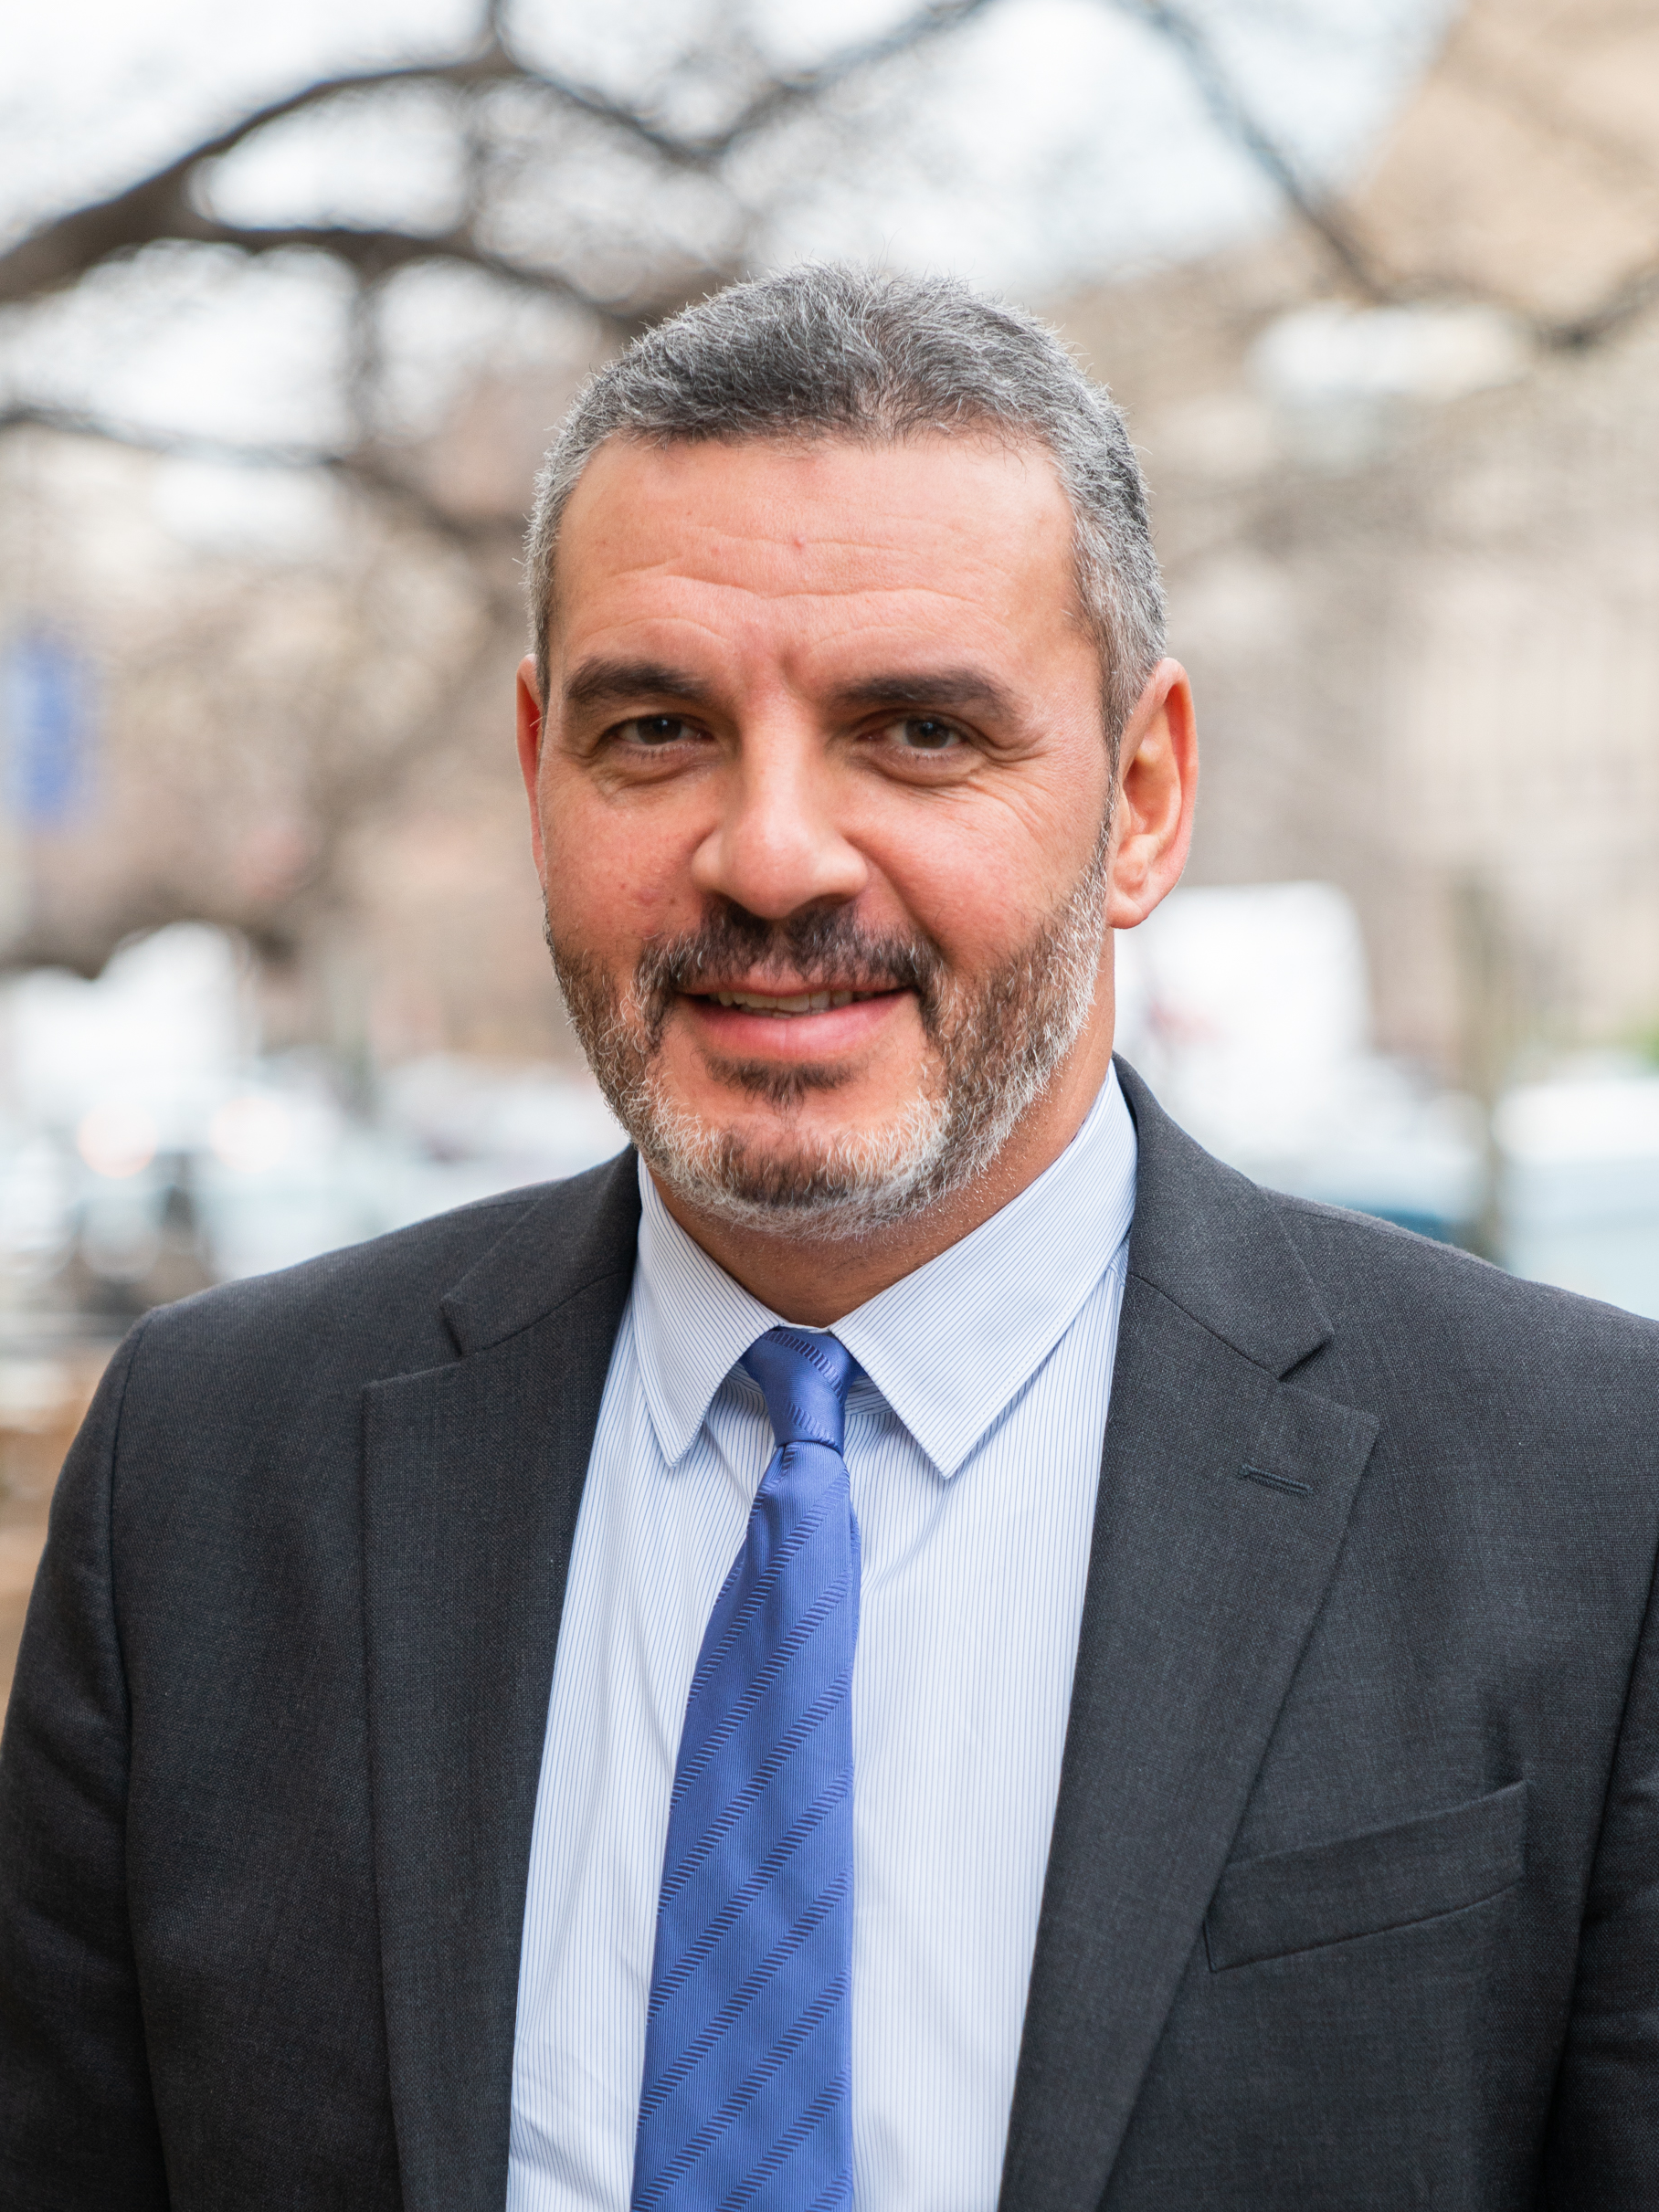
(998, 1047)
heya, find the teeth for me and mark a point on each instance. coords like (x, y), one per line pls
(802, 1002)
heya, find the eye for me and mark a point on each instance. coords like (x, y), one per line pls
(654, 732)
(924, 733)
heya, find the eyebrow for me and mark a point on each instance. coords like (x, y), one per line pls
(964, 687)
(609, 684)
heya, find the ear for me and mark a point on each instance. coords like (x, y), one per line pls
(529, 752)
(1157, 780)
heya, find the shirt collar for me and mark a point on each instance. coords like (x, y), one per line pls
(949, 1346)
(692, 1324)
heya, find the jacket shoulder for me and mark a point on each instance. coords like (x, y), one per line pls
(378, 1306)
(1425, 1306)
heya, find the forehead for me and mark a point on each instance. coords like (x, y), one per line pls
(963, 534)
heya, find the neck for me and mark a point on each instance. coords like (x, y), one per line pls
(816, 1281)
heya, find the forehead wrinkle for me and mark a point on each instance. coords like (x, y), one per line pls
(874, 593)
(906, 659)
(656, 475)
(839, 568)
(932, 591)
(714, 555)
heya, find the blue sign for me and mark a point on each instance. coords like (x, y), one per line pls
(45, 716)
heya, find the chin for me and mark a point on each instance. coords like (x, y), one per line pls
(781, 1180)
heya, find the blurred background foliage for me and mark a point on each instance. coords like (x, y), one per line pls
(287, 311)
(290, 305)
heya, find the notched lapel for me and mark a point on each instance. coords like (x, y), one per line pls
(1204, 1584)
(473, 1479)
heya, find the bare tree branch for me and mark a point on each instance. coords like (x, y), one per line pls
(61, 251)
(161, 209)
(1250, 134)
(362, 466)
(1630, 297)
(927, 24)
(165, 205)
(1624, 165)
(1633, 296)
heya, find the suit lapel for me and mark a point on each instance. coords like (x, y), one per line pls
(474, 1474)
(1204, 1582)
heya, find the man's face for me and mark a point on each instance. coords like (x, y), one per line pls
(821, 794)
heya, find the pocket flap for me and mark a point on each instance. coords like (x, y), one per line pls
(1296, 1901)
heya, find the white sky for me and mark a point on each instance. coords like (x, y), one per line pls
(1056, 139)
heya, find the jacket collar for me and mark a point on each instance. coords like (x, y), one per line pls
(573, 1236)
(1211, 1242)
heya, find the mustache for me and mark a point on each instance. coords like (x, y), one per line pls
(813, 951)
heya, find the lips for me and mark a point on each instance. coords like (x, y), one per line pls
(785, 1004)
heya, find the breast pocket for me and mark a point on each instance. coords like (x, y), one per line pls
(1386, 1878)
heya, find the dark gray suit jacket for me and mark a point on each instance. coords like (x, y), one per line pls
(1354, 1894)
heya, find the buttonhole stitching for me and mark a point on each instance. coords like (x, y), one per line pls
(1273, 1481)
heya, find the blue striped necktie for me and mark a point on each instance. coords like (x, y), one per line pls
(745, 2104)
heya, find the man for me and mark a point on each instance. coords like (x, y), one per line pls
(919, 1642)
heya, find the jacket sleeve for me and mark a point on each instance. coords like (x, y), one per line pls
(1604, 2147)
(77, 2128)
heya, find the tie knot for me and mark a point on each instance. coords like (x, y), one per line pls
(805, 1379)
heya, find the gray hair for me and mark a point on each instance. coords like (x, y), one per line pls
(825, 351)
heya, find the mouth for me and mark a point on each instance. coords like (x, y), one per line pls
(832, 1023)
(791, 1003)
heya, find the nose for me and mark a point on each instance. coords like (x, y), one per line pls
(777, 845)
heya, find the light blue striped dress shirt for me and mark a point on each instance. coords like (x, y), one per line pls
(973, 1448)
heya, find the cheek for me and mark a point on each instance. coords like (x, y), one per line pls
(981, 884)
(613, 876)
(983, 867)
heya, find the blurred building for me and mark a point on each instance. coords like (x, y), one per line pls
(1414, 544)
